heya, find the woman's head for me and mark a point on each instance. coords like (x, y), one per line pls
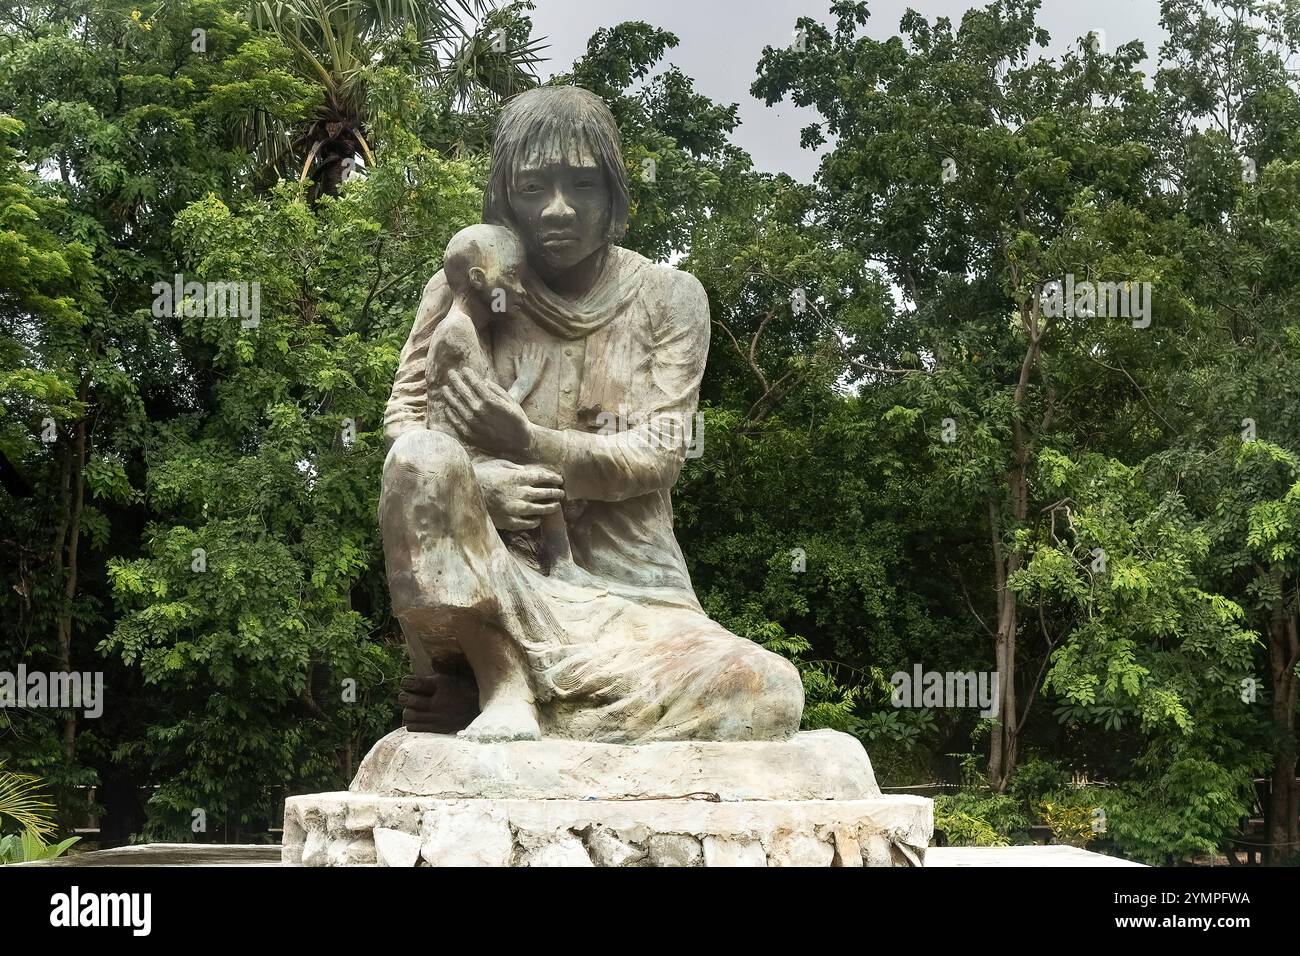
(558, 176)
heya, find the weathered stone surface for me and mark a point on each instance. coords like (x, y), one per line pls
(733, 851)
(554, 849)
(361, 817)
(674, 849)
(396, 847)
(848, 852)
(875, 850)
(534, 364)
(466, 834)
(234, 854)
(609, 849)
(886, 831)
(800, 848)
(351, 851)
(816, 765)
(314, 850)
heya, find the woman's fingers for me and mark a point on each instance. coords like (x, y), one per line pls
(456, 403)
(490, 390)
(537, 475)
(459, 421)
(418, 702)
(462, 383)
(510, 523)
(529, 509)
(477, 386)
(541, 495)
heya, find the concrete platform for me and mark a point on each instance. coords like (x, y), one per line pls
(1019, 856)
(363, 829)
(172, 854)
(191, 854)
(813, 765)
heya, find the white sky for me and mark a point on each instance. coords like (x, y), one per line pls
(721, 41)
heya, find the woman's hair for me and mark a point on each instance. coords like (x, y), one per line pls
(555, 123)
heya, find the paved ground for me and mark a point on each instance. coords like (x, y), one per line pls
(1019, 856)
(173, 854)
(191, 854)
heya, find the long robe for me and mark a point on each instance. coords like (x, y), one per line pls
(624, 653)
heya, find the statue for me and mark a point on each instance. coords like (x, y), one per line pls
(544, 600)
(530, 552)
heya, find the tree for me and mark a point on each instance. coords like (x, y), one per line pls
(953, 168)
(340, 45)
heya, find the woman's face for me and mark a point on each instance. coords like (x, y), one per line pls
(561, 209)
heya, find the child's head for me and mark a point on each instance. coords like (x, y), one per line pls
(485, 261)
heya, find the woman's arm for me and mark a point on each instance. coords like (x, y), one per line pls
(634, 462)
(406, 403)
(648, 457)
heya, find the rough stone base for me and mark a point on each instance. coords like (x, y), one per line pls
(360, 829)
(815, 765)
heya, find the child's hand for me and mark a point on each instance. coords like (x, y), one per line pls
(528, 369)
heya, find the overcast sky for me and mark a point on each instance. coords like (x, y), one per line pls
(721, 41)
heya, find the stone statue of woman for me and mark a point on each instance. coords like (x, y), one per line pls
(623, 653)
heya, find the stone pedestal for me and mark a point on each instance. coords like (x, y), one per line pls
(434, 800)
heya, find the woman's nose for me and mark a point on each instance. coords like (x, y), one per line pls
(558, 208)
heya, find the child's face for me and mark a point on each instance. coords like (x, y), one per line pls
(504, 290)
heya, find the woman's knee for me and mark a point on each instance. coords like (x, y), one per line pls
(422, 455)
(780, 705)
(759, 693)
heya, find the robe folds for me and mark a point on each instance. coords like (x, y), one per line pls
(618, 650)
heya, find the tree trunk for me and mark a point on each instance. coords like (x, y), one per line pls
(68, 545)
(1284, 796)
(1004, 746)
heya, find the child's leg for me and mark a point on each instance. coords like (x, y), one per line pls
(554, 542)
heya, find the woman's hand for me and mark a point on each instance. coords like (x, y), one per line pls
(485, 415)
(518, 496)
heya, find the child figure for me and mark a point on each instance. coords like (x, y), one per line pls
(482, 264)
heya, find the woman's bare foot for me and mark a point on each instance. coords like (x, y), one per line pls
(508, 719)
(439, 703)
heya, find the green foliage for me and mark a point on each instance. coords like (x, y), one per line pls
(1071, 823)
(189, 503)
(975, 818)
(26, 847)
(22, 803)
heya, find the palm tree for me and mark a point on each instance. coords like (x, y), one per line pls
(453, 46)
(21, 802)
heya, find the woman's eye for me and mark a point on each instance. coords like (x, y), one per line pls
(584, 184)
(531, 188)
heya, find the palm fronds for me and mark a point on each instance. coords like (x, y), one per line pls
(21, 801)
(461, 48)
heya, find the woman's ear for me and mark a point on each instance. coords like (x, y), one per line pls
(477, 277)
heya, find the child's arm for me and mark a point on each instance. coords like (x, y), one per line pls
(528, 369)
